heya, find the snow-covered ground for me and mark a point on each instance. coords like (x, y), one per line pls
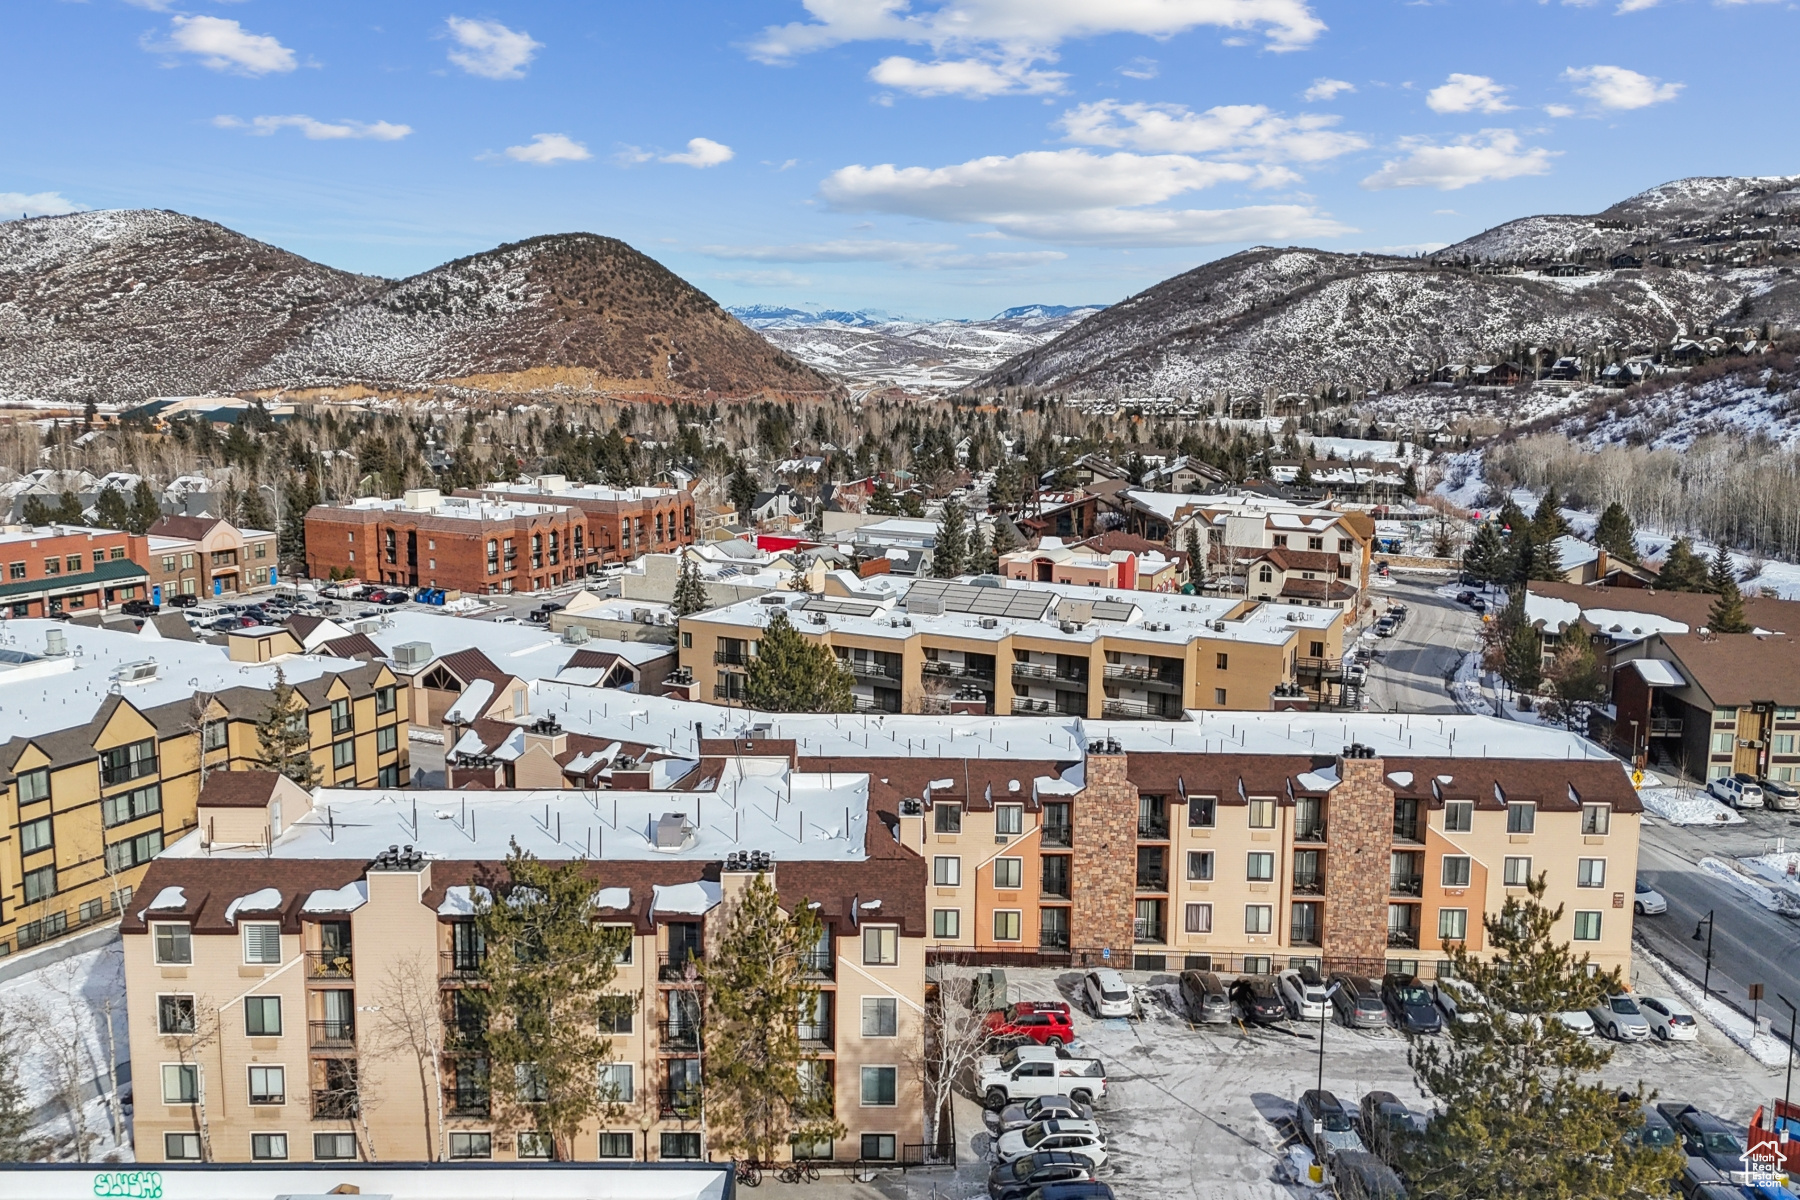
(1784, 901)
(1686, 806)
(1465, 687)
(1765, 1048)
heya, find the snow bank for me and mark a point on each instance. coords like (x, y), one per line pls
(1781, 871)
(1686, 806)
(1783, 902)
(1764, 1048)
(260, 901)
(1465, 687)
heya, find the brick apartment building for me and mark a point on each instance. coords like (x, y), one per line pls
(472, 543)
(622, 523)
(56, 569)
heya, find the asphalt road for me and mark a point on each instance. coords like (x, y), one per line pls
(1415, 665)
(1750, 944)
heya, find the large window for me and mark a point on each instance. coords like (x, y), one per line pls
(262, 943)
(1596, 819)
(946, 922)
(1200, 865)
(1259, 866)
(1590, 872)
(1203, 811)
(1453, 924)
(174, 1014)
(879, 1087)
(181, 1147)
(334, 1147)
(1258, 918)
(616, 1083)
(471, 1145)
(680, 1145)
(387, 739)
(1009, 873)
(340, 716)
(35, 836)
(34, 785)
(268, 1085)
(343, 754)
(946, 870)
(615, 1145)
(1006, 925)
(174, 945)
(1518, 872)
(1456, 870)
(262, 1016)
(947, 818)
(879, 1147)
(1199, 918)
(128, 762)
(532, 1143)
(1459, 816)
(134, 851)
(385, 698)
(881, 945)
(880, 1016)
(1009, 819)
(39, 885)
(1587, 926)
(180, 1083)
(1262, 813)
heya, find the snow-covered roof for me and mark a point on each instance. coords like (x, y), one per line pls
(262, 900)
(1656, 672)
(348, 898)
(1555, 615)
(460, 900)
(1572, 552)
(476, 697)
(618, 898)
(687, 899)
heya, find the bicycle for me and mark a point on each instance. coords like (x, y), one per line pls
(750, 1173)
(798, 1172)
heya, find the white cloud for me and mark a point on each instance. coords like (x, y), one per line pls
(971, 77)
(1631, 6)
(1074, 197)
(491, 50)
(836, 250)
(546, 148)
(765, 279)
(1479, 158)
(1029, 27)
(319, 131)
(1140, 68)
(1620, 88)
(1238, 131)
(223, 45)
(37, 204)
(1327, 89)
(1559, 110)
(1468, 93)
(701, 152)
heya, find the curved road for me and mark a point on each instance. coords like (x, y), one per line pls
(1417, 663)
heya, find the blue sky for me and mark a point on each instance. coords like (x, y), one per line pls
(937, 158)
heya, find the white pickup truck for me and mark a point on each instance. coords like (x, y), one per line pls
(1027, 1072)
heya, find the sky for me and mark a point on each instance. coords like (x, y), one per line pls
(932, 158)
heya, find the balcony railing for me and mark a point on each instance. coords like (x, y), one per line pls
(1144, 674)
(125, 772)
(1057, 835)
(1303, 935)
(1403, 938)
(1029, 670)
(458, 964)
(1152, 881)
(676, 967)
(332, 1035)
(723, 692)
(933, 666)
(731, 658)
(1665, 726)
(1320, 668)
(680, 1103)
(1053, 939)
(1116, 706)
(682, 1037)
(1309, 885)
(1155, 829)
(1025, 704)
(1314, 832)
(820, 964)
(816, 1034)
(1407, 831)
(864, 668)
(329, 964)
(1406, 885)
(335, 1105)
(1055, 888)
(468, 1102)
(1148, 931)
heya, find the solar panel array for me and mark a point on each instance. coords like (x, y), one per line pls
(1114, 610)
(842, 607)
(1022, 604)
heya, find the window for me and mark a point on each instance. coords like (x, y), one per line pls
(880, 1016)
(946, 870)
(187, 560)
(1006, 925)
(881, 946)
(174, 1014)
(1453, 924)
(34, 785)
(40, 884)
(1219, 697)
(1203, 811)
(34, 836)
(946, 922)
(1262, 814)
(53, 566)
(1009, 819)
(471, 1145)
(1590, 872)
(615, 1145)
(878, 1085)
(1596, 819)
(262, 943)
(387, 739)
(15, 570)
(1200, 864)
(1456, 870)
(134, 851)
(616, 1083)
(174, 945)
(1587, 926)
(385, 699)
(1781, 743)
(180, 1083)
(262, 1016)
(329, 1147)
(1009, 872)
(343, 754)
(1521, 818)
(1258, 918)
(268, 1085)
(1223, 661)
(1260, 867)
(129, 806)
(879, 1147)
(947, 818)
(680, 1145)
(1518, 872)
(128, 762)
(178, 1147)
(1723, 743)
(532, 1144)
(216, 735)
(1459, 816)
(530, 1083)
(1199, 918)
(340, 715)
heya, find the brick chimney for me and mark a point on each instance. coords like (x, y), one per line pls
(1104, 816)
(1360, 820)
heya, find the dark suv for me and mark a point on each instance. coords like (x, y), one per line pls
(1014, 1180)
(1410, 1004)
(1257, 999)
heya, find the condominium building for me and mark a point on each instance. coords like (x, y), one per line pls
(208, 556)
(463, 543)
(268, 967)
(993, 646)
(622, 523)
(56, 569)
(111, 735)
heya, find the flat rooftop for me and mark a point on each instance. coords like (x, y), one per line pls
(460, 508)
(547, 486)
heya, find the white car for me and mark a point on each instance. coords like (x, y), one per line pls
(1648, 902)
(1305, 1001)
(1108, 995)
(1620, 1019)
(1739, 791)
(1668, 1019)
(1454, 994)
(1578, 1022)
(1076, 1137)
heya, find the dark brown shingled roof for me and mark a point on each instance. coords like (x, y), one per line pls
(1740, 668)
(189, 528)
(1690, 608)
(355, 645)
(238, 789)
(1300, 560)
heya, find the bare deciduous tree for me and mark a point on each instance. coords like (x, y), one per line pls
(411, 1021)
(955, 1038)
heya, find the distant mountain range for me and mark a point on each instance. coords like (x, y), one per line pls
(119, 306)
(1664, 264)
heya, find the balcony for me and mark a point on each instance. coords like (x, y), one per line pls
(1153, 829)
(1403, 937)
(1116, 706)
(1025, 704)
(815, 1035)
(679, 1103)
(680, 966)
(731, 658)
(819, 964)
(335, 1105)
(1406, 885)
(1151, 932)
(1057, 835)
(955, 670)
(1053, 939)
(1665, 726)
(1313, 832)
(866, 668)
(464, 1036)
(1303, 934)
(125, 772)
(1312, 884)
(469, 1102)
(678, 1037)
(329, 964)
(1154, 678)
(1068, 676)
(1153, 881)
(869, 704)
(726, 692)
(332, 1035)
(1408, 831)
(459, 965)
(1319, 668)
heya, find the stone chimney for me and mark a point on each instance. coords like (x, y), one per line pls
(1359, 816)
(1104, 827)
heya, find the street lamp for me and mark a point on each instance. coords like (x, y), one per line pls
(1324, 1012)
(1707, 920)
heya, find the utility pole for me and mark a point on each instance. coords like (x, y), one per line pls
(1707, 920)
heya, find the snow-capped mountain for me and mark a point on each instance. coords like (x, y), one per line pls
(118, 306)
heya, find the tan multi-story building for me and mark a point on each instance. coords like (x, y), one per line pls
(936, 646)
(269, 965)
(208, 557)
(112, 737)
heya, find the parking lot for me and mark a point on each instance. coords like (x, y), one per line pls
(1200, 1113)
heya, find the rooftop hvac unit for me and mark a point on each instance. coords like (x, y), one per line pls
(773, 599)
(367, 625)
(574, 635)
(134, 672)
(673, 832)
(928, 606)
(990, 622)
(641, 616)
(56, 643)
(1070, 627)
(817, 618)
(412, 654)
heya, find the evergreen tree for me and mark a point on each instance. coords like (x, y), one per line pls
(912, 504)
(1523, 668)
(111, 511)
(1004, 541)
(1575, 679)
(797, 580)
(1486, 557)
(300, 499)
(68, 510)
(255, 510)
(742, 490)
(1523, 1111)
(283, 742)
(1523, 555)
(1615, 534)
(1682, 570)
(882, 502)
(1409, 486)
(1727, 612)
(1720, 574)
(950, 558)
(1196, 560)
(547, 972)
(1511, 517)
(763, 1090)
(791, 674)
(982, 559)
(36, 512)
(1546, 560)
(1549, 523)
(146, 508)
(690, 589)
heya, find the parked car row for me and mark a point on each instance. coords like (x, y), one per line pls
(1476, 604)
(1360, 1148)
(1301, 994)
(1746, 791)
(1047, 1144)
(1391, 621)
